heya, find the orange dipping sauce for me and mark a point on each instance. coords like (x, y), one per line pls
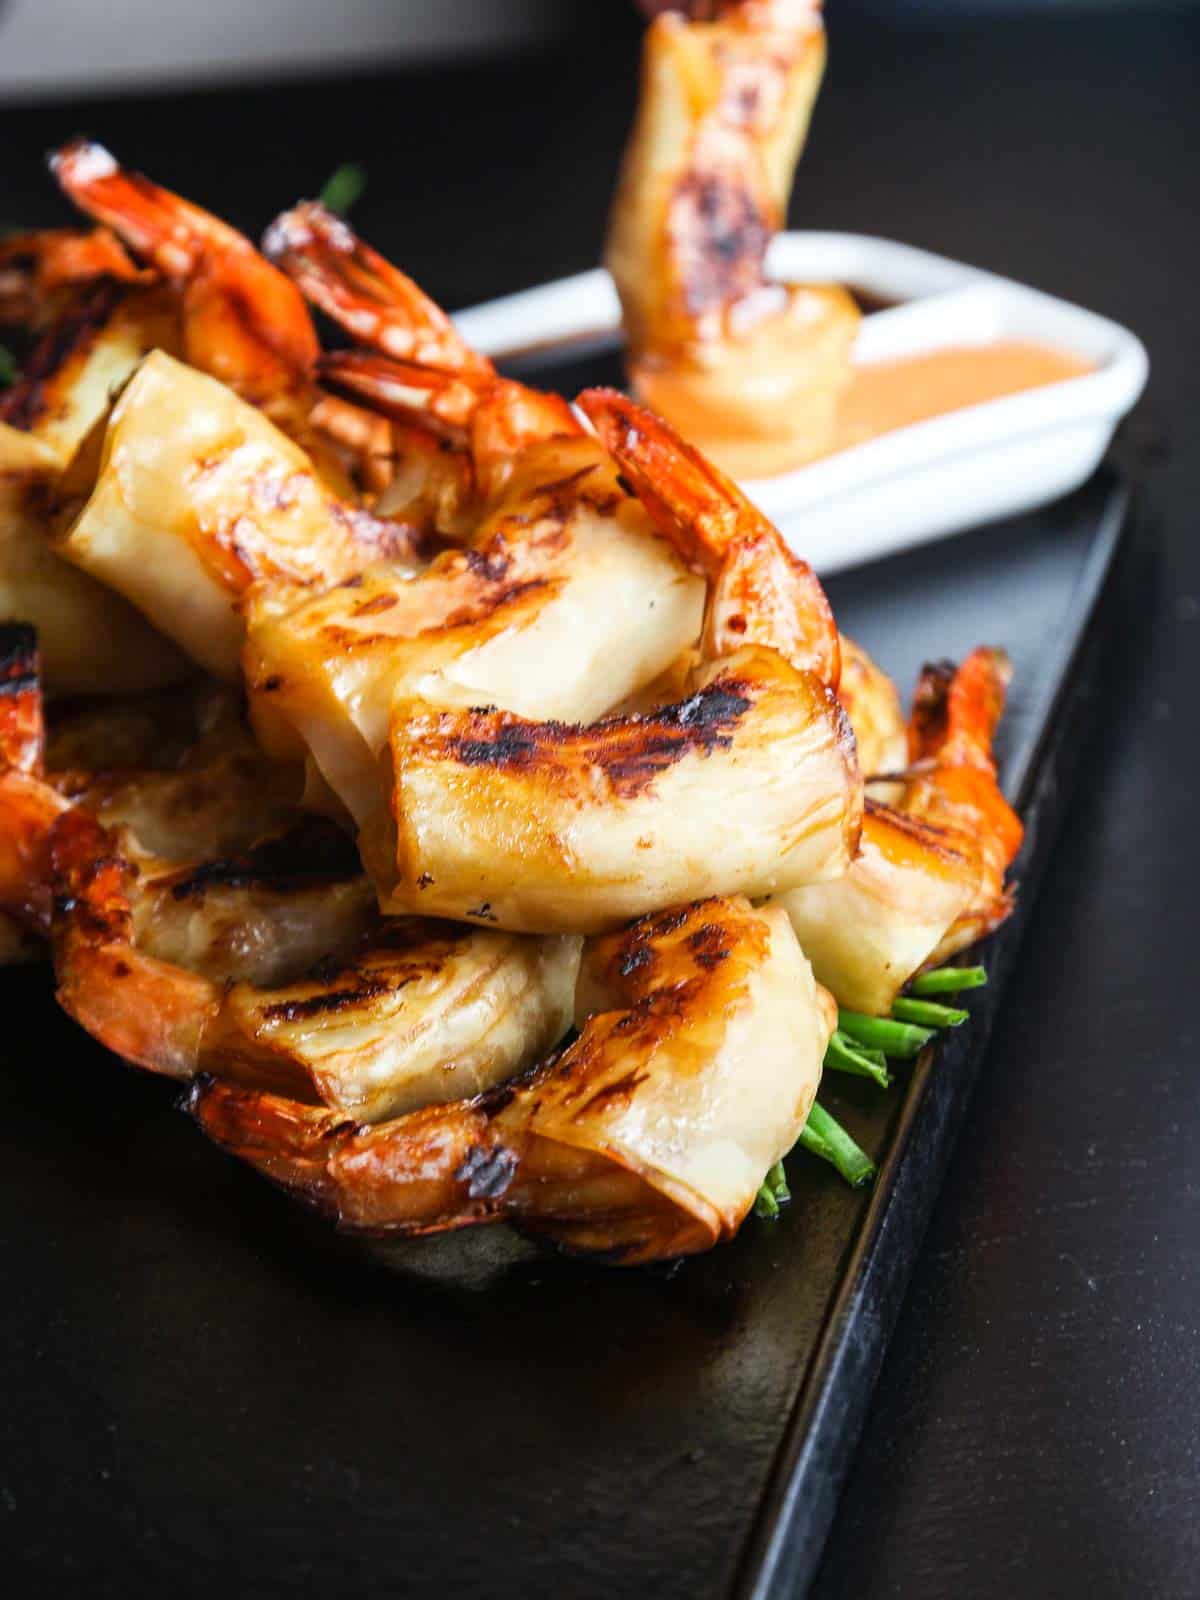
(887, 395)
(838, 403)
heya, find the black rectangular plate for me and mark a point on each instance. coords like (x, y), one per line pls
(205, 1386)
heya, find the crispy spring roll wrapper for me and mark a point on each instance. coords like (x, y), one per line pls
(870, 700)
(566, 602)
(272, 968)
(91, 640)
(748, 786)
(646, 1138)
(198, 496)
(867, 932)
(723, 111)
(929, 880)
(68, 383)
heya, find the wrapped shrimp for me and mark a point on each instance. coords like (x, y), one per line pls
(750, 370)
(203, 925)
(701, 1039)
(929, 876)
(562, 605)
(199, 496)
(92, 641)
(270, 967)
(457, 429)
(239, 319)
(749, 784)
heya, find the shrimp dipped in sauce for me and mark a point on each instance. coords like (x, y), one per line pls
(749, 369)
(747, 785)
(701, 1039)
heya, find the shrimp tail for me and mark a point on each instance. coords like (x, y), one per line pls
(436, 1168)
(245, 321)
(956, 710)
(760, 591)
(373, 301)
(150, 1012)
(22, 723)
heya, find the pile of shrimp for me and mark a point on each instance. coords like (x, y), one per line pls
(466, 794)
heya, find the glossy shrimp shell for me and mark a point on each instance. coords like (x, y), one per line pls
(376, 303)
(760, 592)
(246, 323)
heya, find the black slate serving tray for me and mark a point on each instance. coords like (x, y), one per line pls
(205, 1387)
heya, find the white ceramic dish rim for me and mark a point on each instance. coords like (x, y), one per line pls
(934, 294)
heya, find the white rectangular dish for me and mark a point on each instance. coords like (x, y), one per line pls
(974, 465)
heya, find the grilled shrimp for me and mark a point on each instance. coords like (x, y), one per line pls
(84, 358)
(42, 273)
(749, 369)
(758, 588)
(929, 877)
(458, 427)
(749, 784)
(759, 592)
(91, 640)
(243, 321)
(270, 965)
(198, 496)
(562, 605)
(701, 1039)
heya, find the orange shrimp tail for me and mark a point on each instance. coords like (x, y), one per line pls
(22, 723)
(241, 307)
(956, 710)
(374, 302)
(435, 398)
(151, 1013)
(421, 1173)
(35, 266)
(762, 593)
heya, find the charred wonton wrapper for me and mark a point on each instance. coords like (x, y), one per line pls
(565, 603)
(198, 497)
(271, 967)
(695, 1069)
(91, 640)
(748, 786)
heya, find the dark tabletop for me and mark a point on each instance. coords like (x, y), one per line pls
(1035, 1427)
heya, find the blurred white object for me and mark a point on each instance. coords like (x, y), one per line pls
(985, 461)
(50, 46)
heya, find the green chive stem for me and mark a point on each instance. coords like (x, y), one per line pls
(344, 188)
(824, 1136)
(893, 1037)
(9, 372)
(928, 1013)
(948, 980)
(773, 1193)
(844, 1054)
